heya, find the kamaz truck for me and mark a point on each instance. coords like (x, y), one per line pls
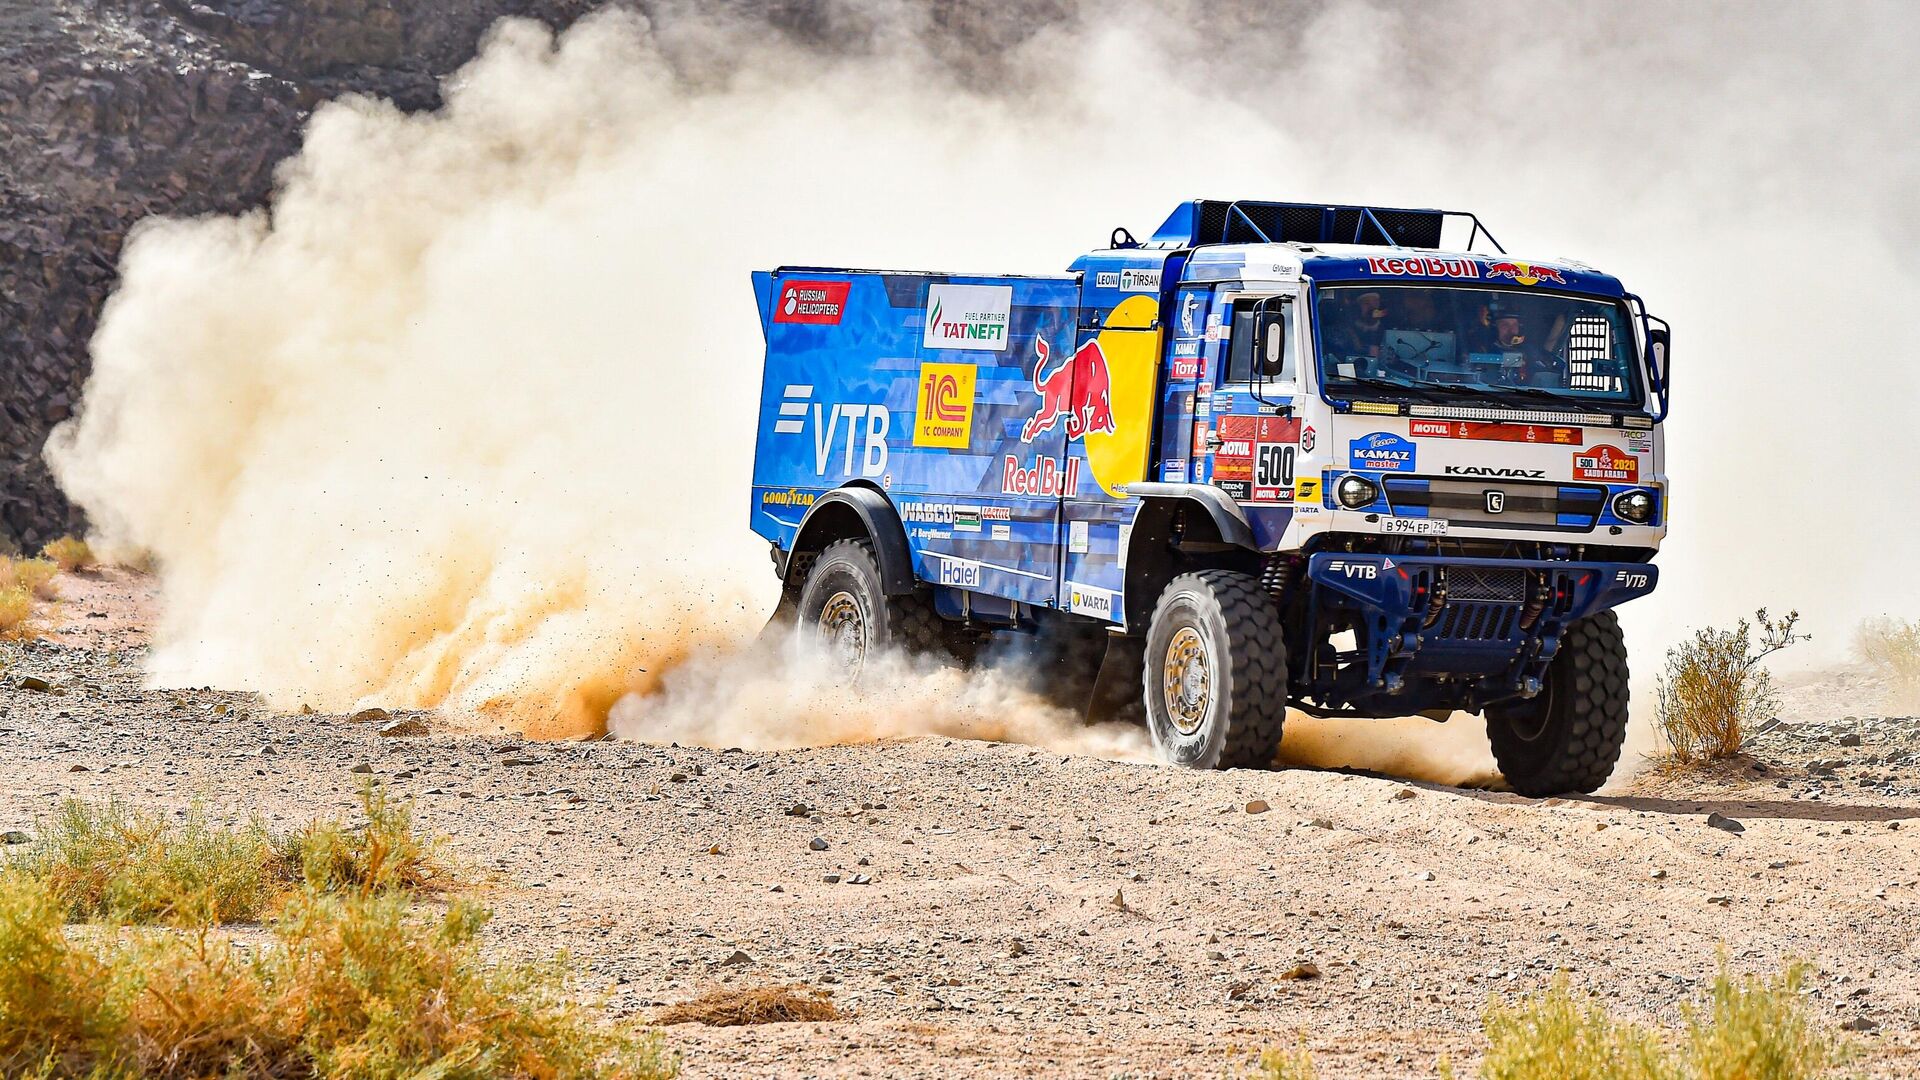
(1352, 460)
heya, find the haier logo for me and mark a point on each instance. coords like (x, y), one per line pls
(968, 317)
(867, 424)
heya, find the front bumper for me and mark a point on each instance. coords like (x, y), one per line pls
(1488, 628)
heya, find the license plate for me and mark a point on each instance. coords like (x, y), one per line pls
(1415, 526)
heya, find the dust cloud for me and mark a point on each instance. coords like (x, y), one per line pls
(465, 418)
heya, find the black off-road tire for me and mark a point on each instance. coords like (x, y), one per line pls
(1236, 722)
(1567, 738)
(906, 622)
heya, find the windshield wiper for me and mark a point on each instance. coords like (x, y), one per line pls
(1532, 394)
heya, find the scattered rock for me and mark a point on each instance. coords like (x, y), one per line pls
(516, 762)
(78, 768)
(1723, 901)
(738, 959)
(1659, 875)
(363, 767)
(1305, 969)
(1859, 1023)
(1851, 738)
(859, 879)
(799, 809)
(1216, 954)
(831, 879)
(36, 683)
(817, 844)
(1725, 823)
(406, 727)
(1238, 990)
(1403, 794)
(15, 836)
(1424, 875)
(1017, 948)
(369, 716)
(1258, 806)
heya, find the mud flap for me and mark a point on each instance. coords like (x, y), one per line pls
(1118, 691)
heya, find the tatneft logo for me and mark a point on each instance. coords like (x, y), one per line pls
(945, 416)
(866, 423)
(968, 317)
(820, 303)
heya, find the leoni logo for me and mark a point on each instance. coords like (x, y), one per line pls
(968, 317)
(820, 303)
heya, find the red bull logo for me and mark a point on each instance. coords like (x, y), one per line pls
(1525, 273)
(1078, 391)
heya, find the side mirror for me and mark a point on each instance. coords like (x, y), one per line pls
(1659, 344)
(1273, 345)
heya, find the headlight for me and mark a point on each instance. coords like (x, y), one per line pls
(1355, 492)
(1634, 506)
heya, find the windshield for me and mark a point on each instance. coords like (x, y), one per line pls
(1457, 343)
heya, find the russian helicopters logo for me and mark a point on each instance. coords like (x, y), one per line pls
(820, 303)
(968, 317)
(945, 416)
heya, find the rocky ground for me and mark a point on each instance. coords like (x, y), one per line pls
(986, 910)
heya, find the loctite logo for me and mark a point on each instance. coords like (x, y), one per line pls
(1524, 273)
(1046, 477)
(820, 303)
(1078, 392)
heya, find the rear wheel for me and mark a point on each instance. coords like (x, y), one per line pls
(1215, 675)
(845, 606)
(1568, 737)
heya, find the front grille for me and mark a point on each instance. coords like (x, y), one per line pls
(1476, 622)
(1489, 583)
(1524, 504)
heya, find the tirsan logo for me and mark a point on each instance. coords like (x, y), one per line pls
(867, 423)
(1485, 470)
(968, 317)
(1365, 571)
(1140, 280)
(820, 303)
(945, 416)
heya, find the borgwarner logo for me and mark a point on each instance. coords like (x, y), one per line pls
(968, 317)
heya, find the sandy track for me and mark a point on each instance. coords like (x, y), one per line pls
(988, 941)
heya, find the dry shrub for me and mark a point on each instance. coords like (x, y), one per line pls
(755, 1005)
(69, 552)
(1758, 1029)
(1277, 1064)
(351, 986)
(116, 863)
(1563, 1035)
(34, 575)
(16, 612)
(1891, 647)
(1714, 685)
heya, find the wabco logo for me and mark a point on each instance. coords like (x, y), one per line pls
(1486, 470)
(796, 409)
(1366, 571)
(820, 303)
(967, 317)
(1631, 580)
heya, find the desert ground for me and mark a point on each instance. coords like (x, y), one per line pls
(990, 910)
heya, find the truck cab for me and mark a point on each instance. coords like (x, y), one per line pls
(1277, 455)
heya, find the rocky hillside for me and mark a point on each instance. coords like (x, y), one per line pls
(111, 110)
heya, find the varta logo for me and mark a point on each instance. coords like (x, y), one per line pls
(1483, 470)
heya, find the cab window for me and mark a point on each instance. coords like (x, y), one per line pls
(1249, 355)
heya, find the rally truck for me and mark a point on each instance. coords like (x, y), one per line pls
(1352, 460)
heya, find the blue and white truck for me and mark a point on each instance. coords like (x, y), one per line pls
(1353, 460)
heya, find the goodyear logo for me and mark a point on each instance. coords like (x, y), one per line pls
(944, 415)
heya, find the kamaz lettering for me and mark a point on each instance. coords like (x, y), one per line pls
(1300, 462)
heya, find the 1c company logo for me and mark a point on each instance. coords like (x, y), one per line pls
(945, 411)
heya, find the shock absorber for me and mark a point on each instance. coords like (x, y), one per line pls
(1278, 574)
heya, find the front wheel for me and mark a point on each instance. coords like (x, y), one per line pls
(1568, 737)
(845, 606)
(1215, 672)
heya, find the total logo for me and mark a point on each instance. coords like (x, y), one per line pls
(866, 425)
(1078, 392)
(818, 303)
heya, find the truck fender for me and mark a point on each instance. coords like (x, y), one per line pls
(849, 513)
(1151, 559)
(1226, 514)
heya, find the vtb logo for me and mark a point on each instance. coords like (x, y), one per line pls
(1079, 391)
(944, 416)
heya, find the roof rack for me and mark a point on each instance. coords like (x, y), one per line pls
(1246, 221)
